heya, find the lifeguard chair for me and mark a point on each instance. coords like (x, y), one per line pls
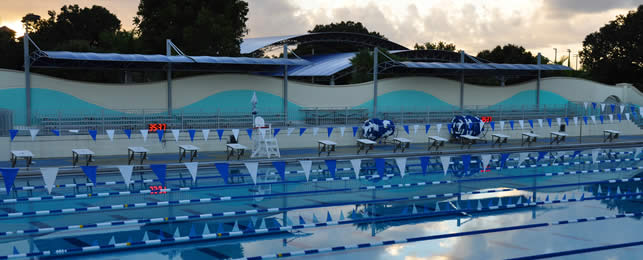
(264, 144)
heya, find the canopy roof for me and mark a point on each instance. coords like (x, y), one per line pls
(251, 45)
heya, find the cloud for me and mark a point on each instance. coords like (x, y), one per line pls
(589, 6)
(274, 18)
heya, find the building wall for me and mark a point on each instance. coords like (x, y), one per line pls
(232, 92)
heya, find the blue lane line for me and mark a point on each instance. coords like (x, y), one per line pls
(578, 251)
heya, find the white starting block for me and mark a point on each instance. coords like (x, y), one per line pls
(528, 138)
(325, 146)
(133, 150)
(15, 155)
(468, 139)
(436, 141)
(499, 139)
(610, 135)
(557, 137)
(363, 143)
(232, 148)
(187, 148)
(76, 153)
(401, 143)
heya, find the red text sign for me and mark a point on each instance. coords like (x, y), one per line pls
(486, 119)
(154, 127)
(157, 189)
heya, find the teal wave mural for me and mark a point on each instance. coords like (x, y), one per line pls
(239, 101)
(407, 100)
(528, 97)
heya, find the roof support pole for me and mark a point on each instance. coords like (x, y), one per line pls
(375, 54)
(461, 81)
(285, 97)
(538, 83)
(27, 64)
(168, 50)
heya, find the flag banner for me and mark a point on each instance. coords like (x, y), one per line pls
(126, 173)
(622, 108)
(576, 153)
(594, 105)
(632, 109)
(13, 133)
(449, 127)
(192, 168)
(503, 159)
(252, 168)
(603, 107)
(611, 118)
(619, 117)
(302, 130)
(522, 124)
(511, 124)
(380, 164)
(585, 103)
(576, 121)
(33, 133)
(567, 121)
(332, 167)
(9, 177)
(415, 129)
(595, 155)
(426, 128)
(75, 131)
(92, 133)
(502, 125)
(160, 133)
(235, 133)
(249, 131)
(438, 127)
(330, 131)
(220, 133)
(206, 133)
(224, 170)
(531, 123)
(540, 122)
(290, 130)
(281, 169)
(637, 151)
(424, 163)
(354, 130)
(110, 134)
(315, 131)
(306, 165)
(549, 122)
(144, 135)
(342, 130)
(275, 132)
(485, 158)
(541, 155)
(90, 171)
(401, 165)
(128, 133)
(612, 106)
(466, 163)
(493, 125)
(160, 170)
(406, 129)
(640, 110)
(446, 160)
(593, 119)
(176, 133)
(357, 166)
(601, 118)
(49, 177)
(56, 132)
(522, 157)
(558, 121)
(627, 116)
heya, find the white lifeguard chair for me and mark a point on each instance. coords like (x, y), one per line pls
(264, 144)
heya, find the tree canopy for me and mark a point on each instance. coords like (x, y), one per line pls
(439, 46)
(614, 53)
(329, 47)
(511, 53)
(198, 27)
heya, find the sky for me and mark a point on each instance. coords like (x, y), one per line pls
(473, 25)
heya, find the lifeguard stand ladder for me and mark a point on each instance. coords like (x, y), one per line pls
(264, 144)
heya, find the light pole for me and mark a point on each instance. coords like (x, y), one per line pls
(555, 54)
(569, 58)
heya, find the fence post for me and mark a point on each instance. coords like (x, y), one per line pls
(346, 116)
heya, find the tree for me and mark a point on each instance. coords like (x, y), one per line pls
(329, 47)
(29, 21)
(440, 46)
(614, 54)
(198, 27)
(363, 64)
(512, 54)
(9, 49)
